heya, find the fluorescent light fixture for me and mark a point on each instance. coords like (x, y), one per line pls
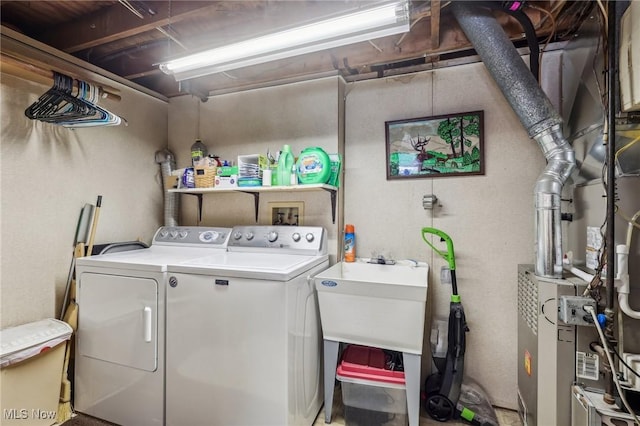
(366, 24)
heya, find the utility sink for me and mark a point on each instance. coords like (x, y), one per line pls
(374, 305)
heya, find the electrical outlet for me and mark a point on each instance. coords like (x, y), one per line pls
(445, 275)
(571, 310)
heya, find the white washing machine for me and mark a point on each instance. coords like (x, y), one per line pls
(120, 344)
(243, 331)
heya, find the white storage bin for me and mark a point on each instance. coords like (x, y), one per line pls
(31, 362)
(371, 403)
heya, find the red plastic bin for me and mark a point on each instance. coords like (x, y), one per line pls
(366, 363)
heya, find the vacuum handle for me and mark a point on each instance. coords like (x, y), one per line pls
(449, 254)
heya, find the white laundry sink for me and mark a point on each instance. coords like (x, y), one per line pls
(374, 305)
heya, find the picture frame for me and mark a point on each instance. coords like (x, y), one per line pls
(437, 146)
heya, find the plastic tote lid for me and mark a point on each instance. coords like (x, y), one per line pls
(366, 363)
(27, 340)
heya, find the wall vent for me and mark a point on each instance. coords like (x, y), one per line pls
(528, 301)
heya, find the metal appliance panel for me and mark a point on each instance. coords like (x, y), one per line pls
(261, 266)
(119, 363)
(588, 408)
(547, 349)
(116, 391)
(117, 329)
(242, 351)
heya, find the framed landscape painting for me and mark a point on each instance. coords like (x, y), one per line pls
(438, 146)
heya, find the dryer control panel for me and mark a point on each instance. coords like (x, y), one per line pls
(292, 239)
(198, 236)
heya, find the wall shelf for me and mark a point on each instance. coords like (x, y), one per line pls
(256, 190)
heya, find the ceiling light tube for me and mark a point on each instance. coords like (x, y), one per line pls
(367, 24)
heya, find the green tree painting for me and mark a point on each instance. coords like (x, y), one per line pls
(455, 131)
(443, 145)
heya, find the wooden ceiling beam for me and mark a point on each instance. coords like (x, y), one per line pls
(435, 23)
(116, 22)
(358, 58)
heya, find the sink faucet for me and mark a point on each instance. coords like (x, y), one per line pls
(380, 260)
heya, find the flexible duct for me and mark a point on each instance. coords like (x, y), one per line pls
(538, 117)
(527, 26)
(167, 162)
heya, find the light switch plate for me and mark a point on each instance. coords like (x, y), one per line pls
(445, 275)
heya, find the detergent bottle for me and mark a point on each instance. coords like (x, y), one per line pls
(198, 152)
(313, 166)
(285, 165)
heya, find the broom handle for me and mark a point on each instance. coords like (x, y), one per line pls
(96, 216)
(82, 229)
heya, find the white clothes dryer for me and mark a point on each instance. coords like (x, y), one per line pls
(243, 331)
(120, 343)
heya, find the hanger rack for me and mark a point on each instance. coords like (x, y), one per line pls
(34, 73)
(71, 103)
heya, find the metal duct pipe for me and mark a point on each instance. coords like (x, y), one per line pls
(167, 162)
(539, 118)
(612, 80)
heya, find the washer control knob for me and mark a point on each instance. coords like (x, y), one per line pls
(173, 234)
(296, 237)
(183, 234)
(164, 233)
(272, 236)
(309, 237)
(208, 236)
(237, 235)
(249, 236)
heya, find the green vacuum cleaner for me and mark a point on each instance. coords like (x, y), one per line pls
(446, 396)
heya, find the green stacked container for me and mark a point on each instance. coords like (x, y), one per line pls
(313, 166)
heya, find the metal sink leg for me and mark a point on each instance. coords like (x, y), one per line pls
(330, 364)
(412, 382)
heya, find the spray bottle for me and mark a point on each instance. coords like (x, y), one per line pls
(349, 243)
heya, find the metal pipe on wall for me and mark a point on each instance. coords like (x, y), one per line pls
(539, 118)
(167, 162)
(612, 75)
(612, 108)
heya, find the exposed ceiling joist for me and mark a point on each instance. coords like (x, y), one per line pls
(110, 35)
(117, 22)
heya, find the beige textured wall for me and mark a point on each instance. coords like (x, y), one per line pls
(252, 122)
(48, 173)
(489, 217)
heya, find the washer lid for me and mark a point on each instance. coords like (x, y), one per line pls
(263, 266)
(154, 258)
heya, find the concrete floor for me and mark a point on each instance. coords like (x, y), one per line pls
(505, 417)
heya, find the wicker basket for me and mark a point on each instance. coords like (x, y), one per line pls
(204, 177)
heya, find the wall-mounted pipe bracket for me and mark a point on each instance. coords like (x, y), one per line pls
(429, 201)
